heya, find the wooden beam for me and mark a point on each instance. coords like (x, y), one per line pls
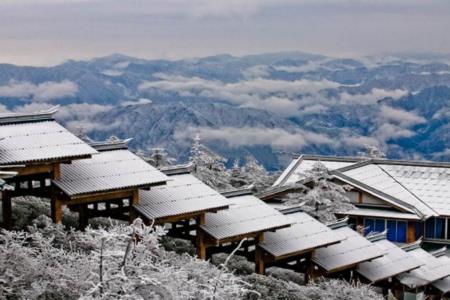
(7, 210)
(98, 197)
(259, 255)
(200, 238)
(32, 169)
(56, 209)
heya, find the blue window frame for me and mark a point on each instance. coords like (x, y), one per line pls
(392, 230)
(369, 226)
(440, 228)
(429, 228)
(419, 230)
(401, 231)
(380, 225)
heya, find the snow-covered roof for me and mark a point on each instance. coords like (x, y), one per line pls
(27, 138)
(418, 187)
(433, 269)
(443, 284)
(352, 250)
(396, 261)
(300, 165)
(185, 194)
(430, 184)
(246, 215)
(381, 182)
(108, 171)
(304, 235)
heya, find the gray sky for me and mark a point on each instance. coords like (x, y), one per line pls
(43, 32)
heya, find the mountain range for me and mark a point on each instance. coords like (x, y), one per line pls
(267, 106)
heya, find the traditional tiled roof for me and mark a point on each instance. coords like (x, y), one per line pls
(396, 261)
(113, 168)
(419, 187)
(246, 215)
(32, 138)
(304, 235)
(352, 250)
(184, 194)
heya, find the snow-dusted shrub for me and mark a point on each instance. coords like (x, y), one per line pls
(286, 275)
(236, 264)
(27, 208)
(177, 245)
(272, 288)
(121, 262)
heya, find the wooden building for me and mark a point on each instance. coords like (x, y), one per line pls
(35, 147)
(105, 185)
(293, 247)
(182, 205)
(409, 198)
(342, 259)
(247, 218)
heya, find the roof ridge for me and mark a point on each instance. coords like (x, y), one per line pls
(289, 172)
(408, 190)
(17, 118)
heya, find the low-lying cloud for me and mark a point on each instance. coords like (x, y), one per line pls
(42, 92)
(372, 97)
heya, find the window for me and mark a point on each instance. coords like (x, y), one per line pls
(435, 228)
(419, 230)
(429, 228)
(401, 231)
(369, 226)
(380, 225)
(440, 228)
(448, 229)
(392, 230)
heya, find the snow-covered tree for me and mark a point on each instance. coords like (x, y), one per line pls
(372, 152)
(160, 158)
(251, 173)
(322, 197)
(209, 166)
(122, 262)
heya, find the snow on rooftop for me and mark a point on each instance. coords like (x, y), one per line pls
(107, 171)
(183, 195)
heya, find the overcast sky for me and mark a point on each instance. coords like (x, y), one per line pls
(43, 32)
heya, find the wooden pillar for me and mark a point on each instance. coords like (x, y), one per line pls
(259, 255)
(309, 268)
(7, 210)
(83, 217)
(200, 238)
(133, 200)
(56, 207)
(360, 197)
(411, 233)
(56, 173)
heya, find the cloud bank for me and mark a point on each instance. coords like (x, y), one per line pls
(42, 92)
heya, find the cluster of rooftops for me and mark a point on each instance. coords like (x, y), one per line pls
(40, 157)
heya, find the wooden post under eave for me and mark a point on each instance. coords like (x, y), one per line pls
(259, 256)
(83, 218)
(200, 238)
(56, 207)
(7, 210)
(133, 200)
(56, 173)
